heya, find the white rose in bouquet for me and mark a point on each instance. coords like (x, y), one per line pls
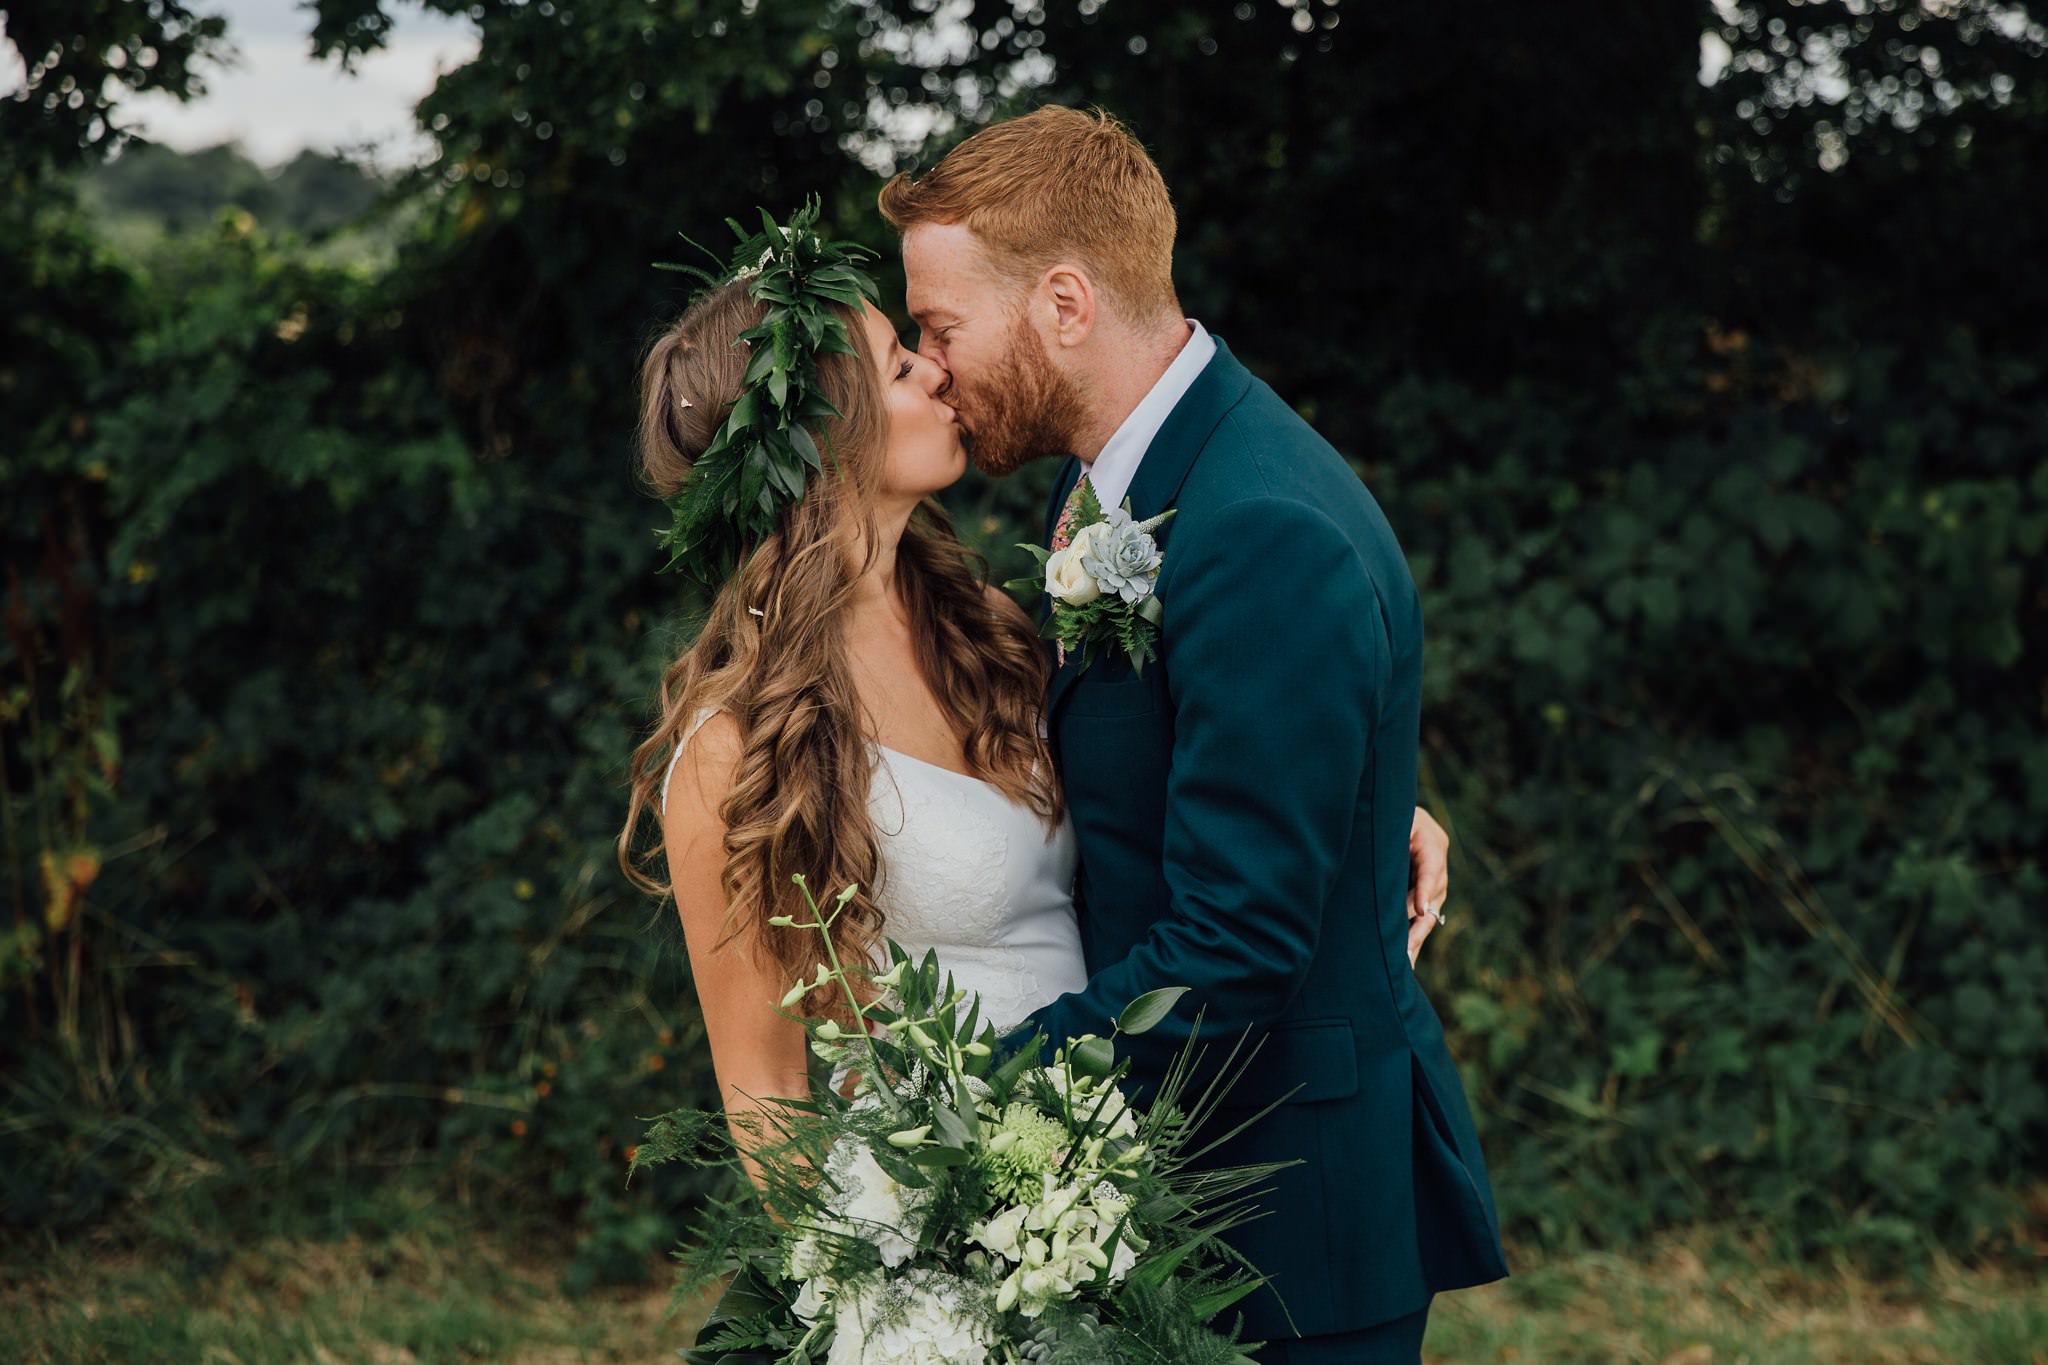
(871, 1205)
(921, 1317)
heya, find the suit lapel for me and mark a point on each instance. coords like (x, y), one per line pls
(1216, 390)
(1062, 681)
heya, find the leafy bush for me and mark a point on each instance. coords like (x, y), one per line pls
(354, 895)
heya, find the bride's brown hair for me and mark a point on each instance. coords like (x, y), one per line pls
(772, 652)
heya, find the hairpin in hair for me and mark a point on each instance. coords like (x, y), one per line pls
(756, 611)
(683, 401)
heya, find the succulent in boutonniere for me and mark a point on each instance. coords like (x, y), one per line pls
(1101, 583)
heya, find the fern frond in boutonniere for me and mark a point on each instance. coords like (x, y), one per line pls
(1101, 584)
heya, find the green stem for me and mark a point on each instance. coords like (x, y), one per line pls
(824, 928)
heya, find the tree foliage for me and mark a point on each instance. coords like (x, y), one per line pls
(79, 61)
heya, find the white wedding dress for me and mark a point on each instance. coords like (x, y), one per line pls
(972, 874)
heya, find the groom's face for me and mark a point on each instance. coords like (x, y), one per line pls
(1014, 403)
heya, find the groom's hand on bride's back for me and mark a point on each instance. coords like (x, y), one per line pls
(1429, 879)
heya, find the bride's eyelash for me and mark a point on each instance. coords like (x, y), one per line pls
(904, 371)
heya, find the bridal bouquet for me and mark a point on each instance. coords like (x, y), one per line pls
(943, 1206)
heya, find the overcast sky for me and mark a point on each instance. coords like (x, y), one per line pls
(275, 99)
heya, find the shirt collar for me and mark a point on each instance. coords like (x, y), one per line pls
(1117, 464)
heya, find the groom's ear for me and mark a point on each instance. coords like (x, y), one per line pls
(1072, 295)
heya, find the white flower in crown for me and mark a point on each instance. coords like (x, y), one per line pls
(748, 272)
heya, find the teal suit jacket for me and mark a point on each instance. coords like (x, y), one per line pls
(1243, 811)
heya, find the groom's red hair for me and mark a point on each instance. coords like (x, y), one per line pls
(1057, 184)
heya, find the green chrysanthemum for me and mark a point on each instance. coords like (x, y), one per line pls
(1025, 1145)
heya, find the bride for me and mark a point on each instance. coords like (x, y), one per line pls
(861, 707)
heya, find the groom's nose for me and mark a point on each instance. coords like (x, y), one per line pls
(933, 374)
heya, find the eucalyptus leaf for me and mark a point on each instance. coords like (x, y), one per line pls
(1096, 1057)
(1148, 1009)
(939, 1158)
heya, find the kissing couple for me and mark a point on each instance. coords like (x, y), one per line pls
(1211, 783)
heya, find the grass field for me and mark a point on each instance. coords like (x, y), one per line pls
(425, 1287)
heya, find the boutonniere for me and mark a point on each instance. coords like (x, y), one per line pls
(1100, 582)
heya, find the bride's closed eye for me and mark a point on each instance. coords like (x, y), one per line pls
(903, 370)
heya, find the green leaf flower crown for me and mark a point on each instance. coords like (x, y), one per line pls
(763, 456)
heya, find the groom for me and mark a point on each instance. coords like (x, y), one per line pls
(1244, 806)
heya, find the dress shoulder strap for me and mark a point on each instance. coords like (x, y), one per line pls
(689, 732)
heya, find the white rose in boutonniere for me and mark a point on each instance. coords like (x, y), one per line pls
(1067, 578)
(1102, 583)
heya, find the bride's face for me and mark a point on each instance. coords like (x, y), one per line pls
(925, 453)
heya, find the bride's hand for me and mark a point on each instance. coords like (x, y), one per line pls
(1429, 859)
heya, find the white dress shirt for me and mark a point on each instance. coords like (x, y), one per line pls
(1117, 463)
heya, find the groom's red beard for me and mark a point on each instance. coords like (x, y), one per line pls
(1023, 410)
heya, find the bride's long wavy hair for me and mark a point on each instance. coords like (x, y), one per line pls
(772, 653)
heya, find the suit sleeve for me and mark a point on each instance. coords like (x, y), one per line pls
(1277, 658)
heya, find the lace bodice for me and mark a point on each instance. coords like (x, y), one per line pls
(972, 874)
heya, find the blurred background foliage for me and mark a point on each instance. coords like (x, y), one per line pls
(1693, 349)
